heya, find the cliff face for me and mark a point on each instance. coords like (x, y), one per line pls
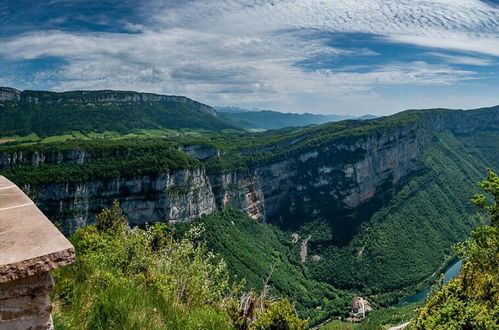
(33, 159)
(331, 181)
(337, 179)
(9, 94)
(101, 97)
(168, 197)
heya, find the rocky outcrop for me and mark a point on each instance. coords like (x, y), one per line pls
(341, 179)
(104, 97)
(178, 196)
(33, 159)
(330, 180)
(9, 94)
(241, 191)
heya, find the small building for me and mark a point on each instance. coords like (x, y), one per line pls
(360, 306)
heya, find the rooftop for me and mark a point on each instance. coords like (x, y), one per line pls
(29, 243)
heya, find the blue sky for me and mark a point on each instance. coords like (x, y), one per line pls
(323, 56)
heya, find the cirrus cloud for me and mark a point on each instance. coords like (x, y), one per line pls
(250, 53)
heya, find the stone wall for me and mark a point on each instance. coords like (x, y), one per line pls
(30, 247)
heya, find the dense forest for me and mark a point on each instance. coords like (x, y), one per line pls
(47, 113)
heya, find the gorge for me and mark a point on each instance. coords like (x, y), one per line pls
(376, 203)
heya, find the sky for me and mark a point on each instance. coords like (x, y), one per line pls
(322, 56)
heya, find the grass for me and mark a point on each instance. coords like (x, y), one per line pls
(378, 319)
(340, 325)
(106, 135)
(58, 138)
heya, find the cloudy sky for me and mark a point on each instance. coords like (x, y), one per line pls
(323, 56)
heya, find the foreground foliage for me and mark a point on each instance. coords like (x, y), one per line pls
(471, 301)
(144, 279)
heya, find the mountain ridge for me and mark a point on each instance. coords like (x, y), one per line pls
(271, 119)
(53, 113)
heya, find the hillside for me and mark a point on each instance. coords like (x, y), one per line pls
(471, 301)
(268, 119)
(382, 200)
(50, 113)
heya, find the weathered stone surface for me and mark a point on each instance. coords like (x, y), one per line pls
(176, 196)
(25, 303)
(24, 307)
(9, 94)
(31, 285)
(29, 243)
(31, 323)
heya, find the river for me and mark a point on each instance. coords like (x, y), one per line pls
(450, 273)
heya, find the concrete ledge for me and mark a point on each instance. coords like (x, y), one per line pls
(29, 243)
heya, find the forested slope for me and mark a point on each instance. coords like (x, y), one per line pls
(50, 113)
(410, 237)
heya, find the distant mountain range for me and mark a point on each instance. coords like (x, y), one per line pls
(269, 119)
(50, 113)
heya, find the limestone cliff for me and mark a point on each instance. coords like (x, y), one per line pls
(101, 97)
(339, 179)
(168, 197)
(332, 180)
(335, 178)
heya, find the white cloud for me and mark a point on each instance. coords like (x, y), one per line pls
(245, 52)
(465, 60)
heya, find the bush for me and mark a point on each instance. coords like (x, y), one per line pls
(132, 278)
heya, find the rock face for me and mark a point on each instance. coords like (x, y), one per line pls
(98, 97)
(336, 180)
(168, 197)
(330, 181)
(9, 94)
(33, 159)
(243, 191)
(340, 180)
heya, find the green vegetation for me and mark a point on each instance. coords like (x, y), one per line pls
(144, 279)
(388, 317)
(267, 119)
(393, 251)
(471, 301)
(383, 318)
(259, 252)
(63, 113)
(108, 160)
(409, 238)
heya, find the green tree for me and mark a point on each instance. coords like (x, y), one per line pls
(471, 301)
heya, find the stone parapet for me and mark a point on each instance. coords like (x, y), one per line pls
(30, 246)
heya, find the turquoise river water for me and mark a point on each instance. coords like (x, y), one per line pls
(451, 272)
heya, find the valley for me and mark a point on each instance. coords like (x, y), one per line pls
(376, 204)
